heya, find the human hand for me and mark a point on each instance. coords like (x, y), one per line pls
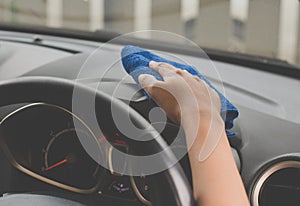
(188, 99)
(183, 97)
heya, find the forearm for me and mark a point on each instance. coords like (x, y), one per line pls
(189, 100)
(216, 180)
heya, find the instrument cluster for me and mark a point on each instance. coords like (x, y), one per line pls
(42, 141)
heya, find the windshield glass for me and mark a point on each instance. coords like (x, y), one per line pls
(268, 28)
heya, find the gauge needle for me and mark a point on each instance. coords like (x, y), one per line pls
(56, 165)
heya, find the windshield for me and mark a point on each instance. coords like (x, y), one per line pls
(268, 28)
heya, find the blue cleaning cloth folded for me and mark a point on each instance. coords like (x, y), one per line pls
(135, 60)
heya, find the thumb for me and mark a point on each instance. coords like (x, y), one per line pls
(147, 81)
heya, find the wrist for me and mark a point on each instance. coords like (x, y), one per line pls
(198, 130)
(201, 119)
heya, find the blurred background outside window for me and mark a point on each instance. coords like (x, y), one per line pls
(261, 27)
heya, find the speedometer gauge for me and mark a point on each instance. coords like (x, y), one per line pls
(67, 162)
(50, 145)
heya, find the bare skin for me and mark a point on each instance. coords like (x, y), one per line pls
(188, 100)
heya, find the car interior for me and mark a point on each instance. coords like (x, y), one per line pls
(49, 77)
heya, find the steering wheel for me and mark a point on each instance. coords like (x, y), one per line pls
(59, 92)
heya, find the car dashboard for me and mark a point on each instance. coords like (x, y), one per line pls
(42, 151)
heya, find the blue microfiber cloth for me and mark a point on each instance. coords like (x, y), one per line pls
(136, 60)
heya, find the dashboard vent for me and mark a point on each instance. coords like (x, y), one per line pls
(278, 185)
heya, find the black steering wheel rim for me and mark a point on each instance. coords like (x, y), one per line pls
(59, 92)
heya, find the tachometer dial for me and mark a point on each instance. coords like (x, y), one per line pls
(66, 161)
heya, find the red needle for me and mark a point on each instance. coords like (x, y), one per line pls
(56, 165)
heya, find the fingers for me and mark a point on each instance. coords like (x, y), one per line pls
(154, 65)
(147, 82)
(197, 78)
(183, 73)
(164, 69)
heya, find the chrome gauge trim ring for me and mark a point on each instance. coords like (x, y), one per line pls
(138, 193)
(33, 174)
(266, 174)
